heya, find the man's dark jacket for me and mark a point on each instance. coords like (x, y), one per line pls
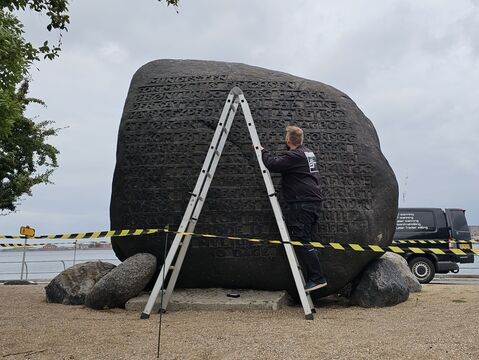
(300, 173)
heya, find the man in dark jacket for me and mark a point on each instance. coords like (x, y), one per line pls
(302, 193)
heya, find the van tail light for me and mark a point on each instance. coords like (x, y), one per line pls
(451, 243)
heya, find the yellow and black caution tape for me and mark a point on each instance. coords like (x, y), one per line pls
(434, 241)
(15, 245)
(90, 235)
(36, 244)
(29, 245)
(331, 245)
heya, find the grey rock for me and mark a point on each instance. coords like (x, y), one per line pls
(170, 115)
(71, 286)
(403, 269)
(126, 281)
(19, 282)
(381, 284)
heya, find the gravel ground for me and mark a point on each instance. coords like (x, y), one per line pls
(439, 323)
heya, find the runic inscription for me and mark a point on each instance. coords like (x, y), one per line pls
(167, 131)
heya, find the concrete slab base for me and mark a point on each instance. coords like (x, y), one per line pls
(214, 299)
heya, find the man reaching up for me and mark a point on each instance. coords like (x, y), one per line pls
(302, 193)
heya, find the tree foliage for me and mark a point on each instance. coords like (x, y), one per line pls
(57, 13)
(171, 2)
(26, 159)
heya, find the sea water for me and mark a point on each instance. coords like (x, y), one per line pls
(44, 265)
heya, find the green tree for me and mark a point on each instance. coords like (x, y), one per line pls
(55, 10)
(26, 159)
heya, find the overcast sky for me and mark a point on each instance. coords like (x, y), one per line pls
(411, 66)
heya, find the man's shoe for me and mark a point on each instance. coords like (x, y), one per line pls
(311, 285)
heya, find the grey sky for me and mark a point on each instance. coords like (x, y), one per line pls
(411, 66)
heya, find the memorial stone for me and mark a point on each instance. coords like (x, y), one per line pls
(169, 118)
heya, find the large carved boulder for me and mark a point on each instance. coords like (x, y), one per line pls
(71, 286)
(170, 114)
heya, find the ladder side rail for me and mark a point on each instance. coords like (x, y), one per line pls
(199, 206)
(212, 148)
(204, 169)
(293, 262)
(291, 255)
(190, 208)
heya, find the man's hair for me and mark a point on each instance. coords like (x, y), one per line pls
(295, 135)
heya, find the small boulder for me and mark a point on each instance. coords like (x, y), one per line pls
(19, 282)
(71, 286)
(381, 284)
(403, 269)
(127, 280)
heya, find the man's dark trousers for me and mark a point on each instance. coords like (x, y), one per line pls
(301, 219)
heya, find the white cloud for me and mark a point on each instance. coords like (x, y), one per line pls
(113, 52)
(411, 66)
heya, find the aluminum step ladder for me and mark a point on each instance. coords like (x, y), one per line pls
(187, 226)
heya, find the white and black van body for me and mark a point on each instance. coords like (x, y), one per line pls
(449, 225)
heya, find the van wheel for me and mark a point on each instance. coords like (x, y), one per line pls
(423, 269)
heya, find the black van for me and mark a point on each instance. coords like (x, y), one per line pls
(449, 225)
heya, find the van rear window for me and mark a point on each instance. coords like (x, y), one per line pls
(459, 222)
(415, 221)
